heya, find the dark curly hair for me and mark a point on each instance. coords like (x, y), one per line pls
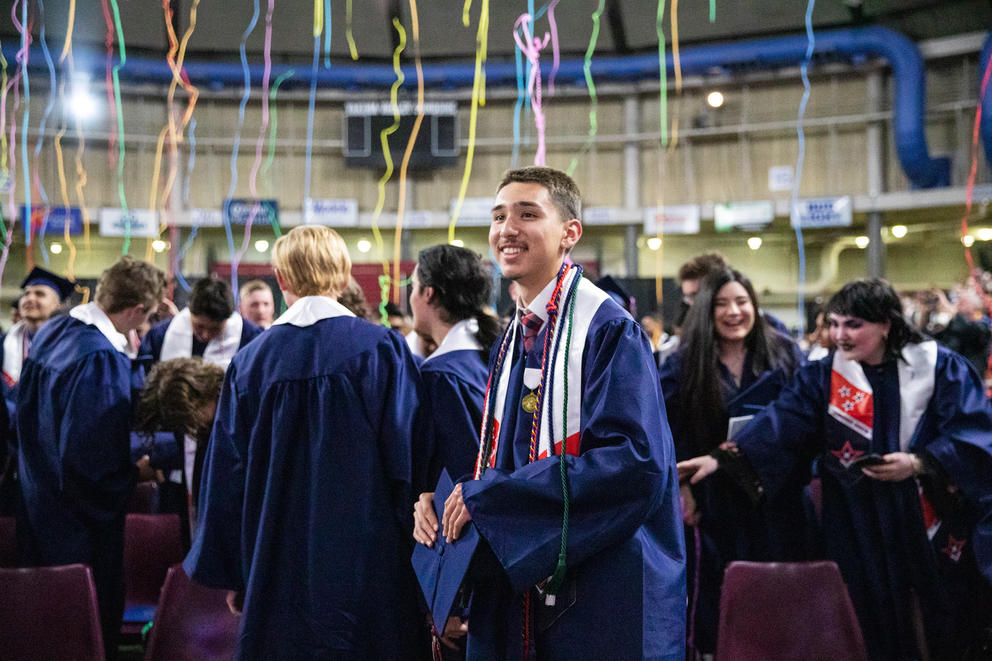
(462, 289)
(176, 393)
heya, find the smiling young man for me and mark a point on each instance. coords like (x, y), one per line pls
(575, 372)
(209, 327)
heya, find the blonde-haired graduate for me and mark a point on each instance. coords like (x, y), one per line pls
(309, 475)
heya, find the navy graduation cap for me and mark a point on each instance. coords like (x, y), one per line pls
(617, 292)
(39, 276)
(441, 569)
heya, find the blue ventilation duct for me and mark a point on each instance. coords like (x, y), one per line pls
(985, 128)
(853, 45)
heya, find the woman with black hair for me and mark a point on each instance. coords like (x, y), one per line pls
(450, 291)
(903, 435)
(729, 365)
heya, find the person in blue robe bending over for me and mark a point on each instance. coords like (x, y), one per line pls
(209, 327)
(903, 435)
(575, 495)
(730, 364)
(74, 420)
(450, 289)
(304, 508)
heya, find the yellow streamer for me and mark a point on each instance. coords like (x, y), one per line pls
(67, 47)
(153, 194)
(466, 19)
(384, 139)
(675, 46)
(347, 32)
(318, 18)
(478, 99)
(398, 238)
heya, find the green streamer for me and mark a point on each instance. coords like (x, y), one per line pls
(591, 86)
(120, 129)
(272, 138)
(712, 11)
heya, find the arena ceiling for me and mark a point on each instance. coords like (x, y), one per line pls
(627, 26)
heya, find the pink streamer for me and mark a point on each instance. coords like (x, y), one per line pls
(555, 52)
(253, 177)
(531, 48)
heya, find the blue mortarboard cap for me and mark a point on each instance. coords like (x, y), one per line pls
(617, 292)
(39, 276)
(441, 569)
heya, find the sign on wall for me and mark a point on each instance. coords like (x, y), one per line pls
(822, 212)
(137, 222)
(54, 219)
(238, 211)
(333, 213)
(678, 219)
(743, 214)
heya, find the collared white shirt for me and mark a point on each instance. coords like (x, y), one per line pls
(539, 305)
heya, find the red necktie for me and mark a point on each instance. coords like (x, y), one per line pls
(531, 327)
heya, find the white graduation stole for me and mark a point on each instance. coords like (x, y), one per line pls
(309, 310)
(588, 298)
(178, 340)
(851, 401)
(13, 353)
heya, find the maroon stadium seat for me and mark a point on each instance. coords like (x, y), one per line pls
(49, 613)
(192, 622)
(152, 544)
(787, 611)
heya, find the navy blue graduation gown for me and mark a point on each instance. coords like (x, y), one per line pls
(624, 593)
(74, 414)
(150, 350)
(731, 527)
(454, 389)
(875, 530)
(306, 496)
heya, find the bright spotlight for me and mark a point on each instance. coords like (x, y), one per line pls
(968, 240)
(81, 102)
(158, 245)
(984, 234)
(55, 248)
(654, 243)
(754, 242)
(261, 245)
(898, 231)
(458, 243)
(364, 245)
(714, 99)
(861, 242)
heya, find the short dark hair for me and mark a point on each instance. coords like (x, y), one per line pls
(211, 298)
(130, 282)
(562, 188)
(874, 300)
(462, 288)
(700, 266)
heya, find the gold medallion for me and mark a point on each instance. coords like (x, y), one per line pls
(529, 402)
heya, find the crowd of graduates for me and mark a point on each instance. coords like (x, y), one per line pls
(611, 472)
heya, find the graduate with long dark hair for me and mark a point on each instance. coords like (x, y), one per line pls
(450, 290)
(903, 435)
(731, 363)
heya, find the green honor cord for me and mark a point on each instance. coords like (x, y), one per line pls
(554, 584)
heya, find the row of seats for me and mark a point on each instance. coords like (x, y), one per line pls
(51, 613)
(190, 621)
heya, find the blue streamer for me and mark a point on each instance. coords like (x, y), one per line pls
(181, 253)
(237, 145)
(41, 130)
(327, 34)
(310, 110)
(811, 43)
(521, 96)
